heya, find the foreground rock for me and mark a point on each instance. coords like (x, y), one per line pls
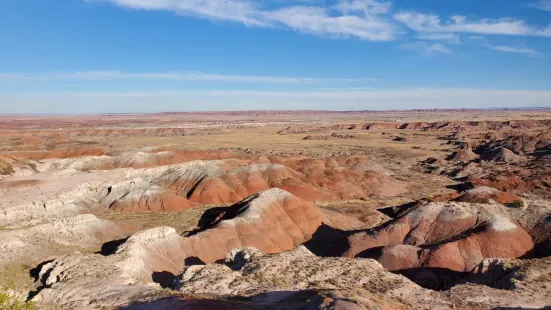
(49, 239)
(364, 284)
(509, 284)
(249, 272)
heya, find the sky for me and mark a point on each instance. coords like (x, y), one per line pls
(139, 56)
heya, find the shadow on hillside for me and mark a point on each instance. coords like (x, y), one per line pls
(441, 279)
(285, 299)
(518, 308)
(164, 278)
(110, 247)
(211, 217)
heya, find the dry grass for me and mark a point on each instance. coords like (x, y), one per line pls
(222, 131)
(182, 221)
(5, 168)
(16, 276)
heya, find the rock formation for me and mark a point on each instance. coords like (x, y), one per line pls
(231, 180)
(465, 154)
(455, 236)
(249, 272)
(273, 221)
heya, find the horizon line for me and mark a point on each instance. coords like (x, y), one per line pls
(283, 111)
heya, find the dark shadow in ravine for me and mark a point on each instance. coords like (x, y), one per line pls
(331, 242)
(542, 249)
(396, 211)
(193, 261)
(164, 278)
(35, 273)
(328, 242)
(307, 299)
(110, 247)
(520, 308)
(441, 279)
(213, 216)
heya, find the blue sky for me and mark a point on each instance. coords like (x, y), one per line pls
(97, 56)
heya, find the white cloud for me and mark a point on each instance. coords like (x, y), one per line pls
(544, 5)
(348, 18)
(427, 49)
(368, 7)
(243, 11)
(449, 37)
(371, 20)
(477, 38)
(459, 24)
(175, 76)
(514, 49)
(183, 100)
(320, 21)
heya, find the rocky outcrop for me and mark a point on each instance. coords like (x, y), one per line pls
(502, 154)
(514, 162)
(541, 233)
(455, 236)
(134, 160)
(249, 272)
(376, 126)
(229, 181)
(505, 183)
(272, 221)
(518, 142)
(62, 153)
(516, 283)
(332, 136)
(484, 194)
(463, 125)
(465, 154)
(44, 240)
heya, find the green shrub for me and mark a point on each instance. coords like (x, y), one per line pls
(10, 301)
(519, 204)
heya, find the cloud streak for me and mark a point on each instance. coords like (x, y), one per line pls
(242, 11)
(173, 76)
(544, 5)
(425, 23)
(427, 49)
(360, 19)
(370, 20)
(514, 49)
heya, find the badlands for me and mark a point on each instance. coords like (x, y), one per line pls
(434, 209)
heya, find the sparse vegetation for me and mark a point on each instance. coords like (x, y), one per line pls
(519, 204)
(6, 168)
(32, 166)
(16, 276)
(10, 300)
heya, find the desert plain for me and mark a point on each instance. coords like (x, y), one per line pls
(420, 209)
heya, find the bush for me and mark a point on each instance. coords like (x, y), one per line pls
(10, 301)
(6, 168)
(519, 204)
